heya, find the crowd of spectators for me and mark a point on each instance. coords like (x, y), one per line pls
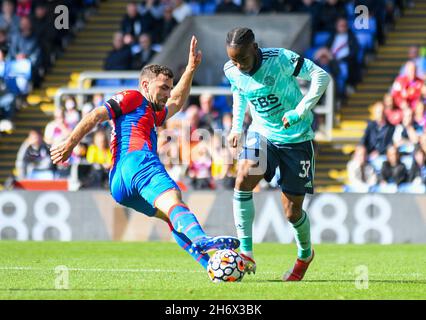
(201, 159)
(341, 44)
(191, 146)
(91, 158)
(29, 45)
(391, 154)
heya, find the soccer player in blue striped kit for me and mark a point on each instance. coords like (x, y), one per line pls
(280, 135)
(138, 179)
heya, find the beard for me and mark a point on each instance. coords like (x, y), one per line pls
(158, 106)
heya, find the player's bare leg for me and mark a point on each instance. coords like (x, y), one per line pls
(300, 221)
(184, 221)
(243, 209)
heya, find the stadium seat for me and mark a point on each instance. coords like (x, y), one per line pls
(108, 82)
(366, 37)
(130, 82)
(386, 188)
(321, 38)
(365, 40)
(310, 53)
(377, 163)
(356, 189)
(350, 11)
(407, 161)
(17, 76)
(412, 188)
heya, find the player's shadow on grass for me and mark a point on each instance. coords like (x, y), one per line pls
(352, 281)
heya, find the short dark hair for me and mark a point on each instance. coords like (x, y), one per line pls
(153, 70)
(239, 37)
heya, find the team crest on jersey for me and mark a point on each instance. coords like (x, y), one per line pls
(293, 59)
(269, 81)
(118, 97)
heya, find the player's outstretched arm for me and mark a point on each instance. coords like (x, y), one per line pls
(180, 93)
(62, 151)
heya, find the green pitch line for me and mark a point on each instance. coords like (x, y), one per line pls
(153, 270)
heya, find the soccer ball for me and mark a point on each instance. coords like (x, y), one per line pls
(225, 266)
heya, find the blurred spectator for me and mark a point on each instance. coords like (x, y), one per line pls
(9, 21)
(329, 12)
(228, 6)
(325, 59)
(200, 167)
(406, 134)
(407, 87)
(420, 115)
(310, 7)
(72, 115)
(56, 130)
(419, 61)
(361, 175)
(252, 7)
(227, 122)
(120, 57)
(99, 152)
(165, 25)
(422, 142)
(36, 158)
(25, 45)
(134, 23)
(46, 33)
(7, 98)
(345, 49)
(99, 155)
(79, 154)
(378, 134)
(223, 169)
(96, 100)
(209, 117)
(81, 170)
(145, 52)
(417, 173)
(169, 153)
(4, 42)
(393, 170)
(393, 113)
(181, 10)
(129, 40)
(423, 93)
(23, 8)
(376, 9)
(154, 7)
(192, 116)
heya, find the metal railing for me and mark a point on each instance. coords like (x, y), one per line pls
(326, 109)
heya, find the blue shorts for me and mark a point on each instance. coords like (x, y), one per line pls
(295, 161)
(138, 179)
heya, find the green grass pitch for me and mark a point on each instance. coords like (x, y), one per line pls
(158, 270)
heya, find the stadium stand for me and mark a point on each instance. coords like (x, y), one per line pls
(382, 52)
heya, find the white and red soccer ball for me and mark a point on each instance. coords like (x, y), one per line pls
(225, 266)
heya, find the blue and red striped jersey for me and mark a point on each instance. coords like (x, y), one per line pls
(134, 123)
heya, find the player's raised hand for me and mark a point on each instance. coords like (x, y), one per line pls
(195, 55)
(60, 152)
